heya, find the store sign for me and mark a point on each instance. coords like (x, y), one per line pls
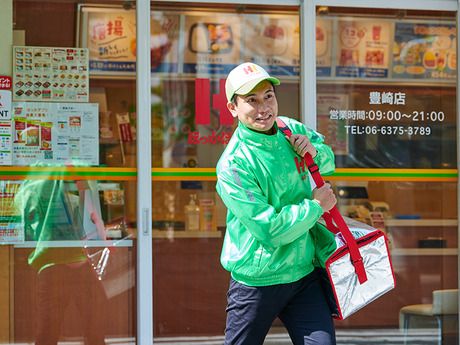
(203, 113)
(389, 121)
(5, 82)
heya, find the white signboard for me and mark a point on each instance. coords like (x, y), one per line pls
(55, 133)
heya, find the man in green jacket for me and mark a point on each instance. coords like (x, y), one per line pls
(271, 245)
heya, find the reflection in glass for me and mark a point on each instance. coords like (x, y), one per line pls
(77, 273)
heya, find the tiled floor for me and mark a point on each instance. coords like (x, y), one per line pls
(344, 337)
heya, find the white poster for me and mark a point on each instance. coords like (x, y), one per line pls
(5, 128)
(55, 133)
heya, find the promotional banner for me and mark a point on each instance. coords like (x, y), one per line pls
(272, 41)
(110, 36)
(55, 133)
(363, 48)
(425, 50)
(50, 74)
(212, 43)
(11, 229)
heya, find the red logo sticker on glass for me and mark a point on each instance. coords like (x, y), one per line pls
(5, 82)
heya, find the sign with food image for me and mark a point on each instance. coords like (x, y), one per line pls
(50, 74)
(55, 132)
(425, 50)
(211, 43)
(323, 47)
(363, 48)
(272, 41)
(110, 36)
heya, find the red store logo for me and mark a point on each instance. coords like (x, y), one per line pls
(203, 112)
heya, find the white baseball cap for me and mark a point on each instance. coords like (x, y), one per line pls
(243, 78)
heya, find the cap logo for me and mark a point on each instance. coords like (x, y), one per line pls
(249, 69)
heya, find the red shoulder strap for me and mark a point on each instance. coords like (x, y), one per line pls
(333, 216)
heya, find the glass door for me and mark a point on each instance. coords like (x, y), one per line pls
(69, 210)
(386, 100)
(193, 49)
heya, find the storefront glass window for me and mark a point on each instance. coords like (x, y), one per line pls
(386, 102)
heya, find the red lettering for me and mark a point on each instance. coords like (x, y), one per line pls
(300, 164)
(194, 138)
(219, 103)
(202, 103)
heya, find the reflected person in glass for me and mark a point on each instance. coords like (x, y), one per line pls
(70, 299)
(272, 215)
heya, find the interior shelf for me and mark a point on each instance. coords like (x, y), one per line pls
(423, 251)
(421, 222)
(69, 244)
(186, 234)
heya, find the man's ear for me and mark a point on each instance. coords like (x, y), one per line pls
(232, 108)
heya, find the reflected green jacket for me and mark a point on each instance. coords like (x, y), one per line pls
(46, 215)
(271, 219)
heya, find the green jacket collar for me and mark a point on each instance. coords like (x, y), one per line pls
(258, 139)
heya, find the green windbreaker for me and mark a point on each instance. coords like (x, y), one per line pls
(271, 220)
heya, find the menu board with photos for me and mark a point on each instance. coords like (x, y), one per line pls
(55, 132)
(50, 74)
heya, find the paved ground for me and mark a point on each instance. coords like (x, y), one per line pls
(344, 337)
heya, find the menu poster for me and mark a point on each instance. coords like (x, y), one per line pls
(55, 133)
(50, 74)
(272, 41)
(363, 48)
(425, 50)
(333, 129)
(11, 229)
(212, 43)
(323, 47)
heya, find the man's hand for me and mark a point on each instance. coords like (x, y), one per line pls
(325, 197)
(302, 145)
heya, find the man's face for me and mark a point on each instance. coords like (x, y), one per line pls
(258, 109)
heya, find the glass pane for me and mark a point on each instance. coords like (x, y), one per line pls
(190, 120)
(68, 210)
(193, 49)
(386, 102)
